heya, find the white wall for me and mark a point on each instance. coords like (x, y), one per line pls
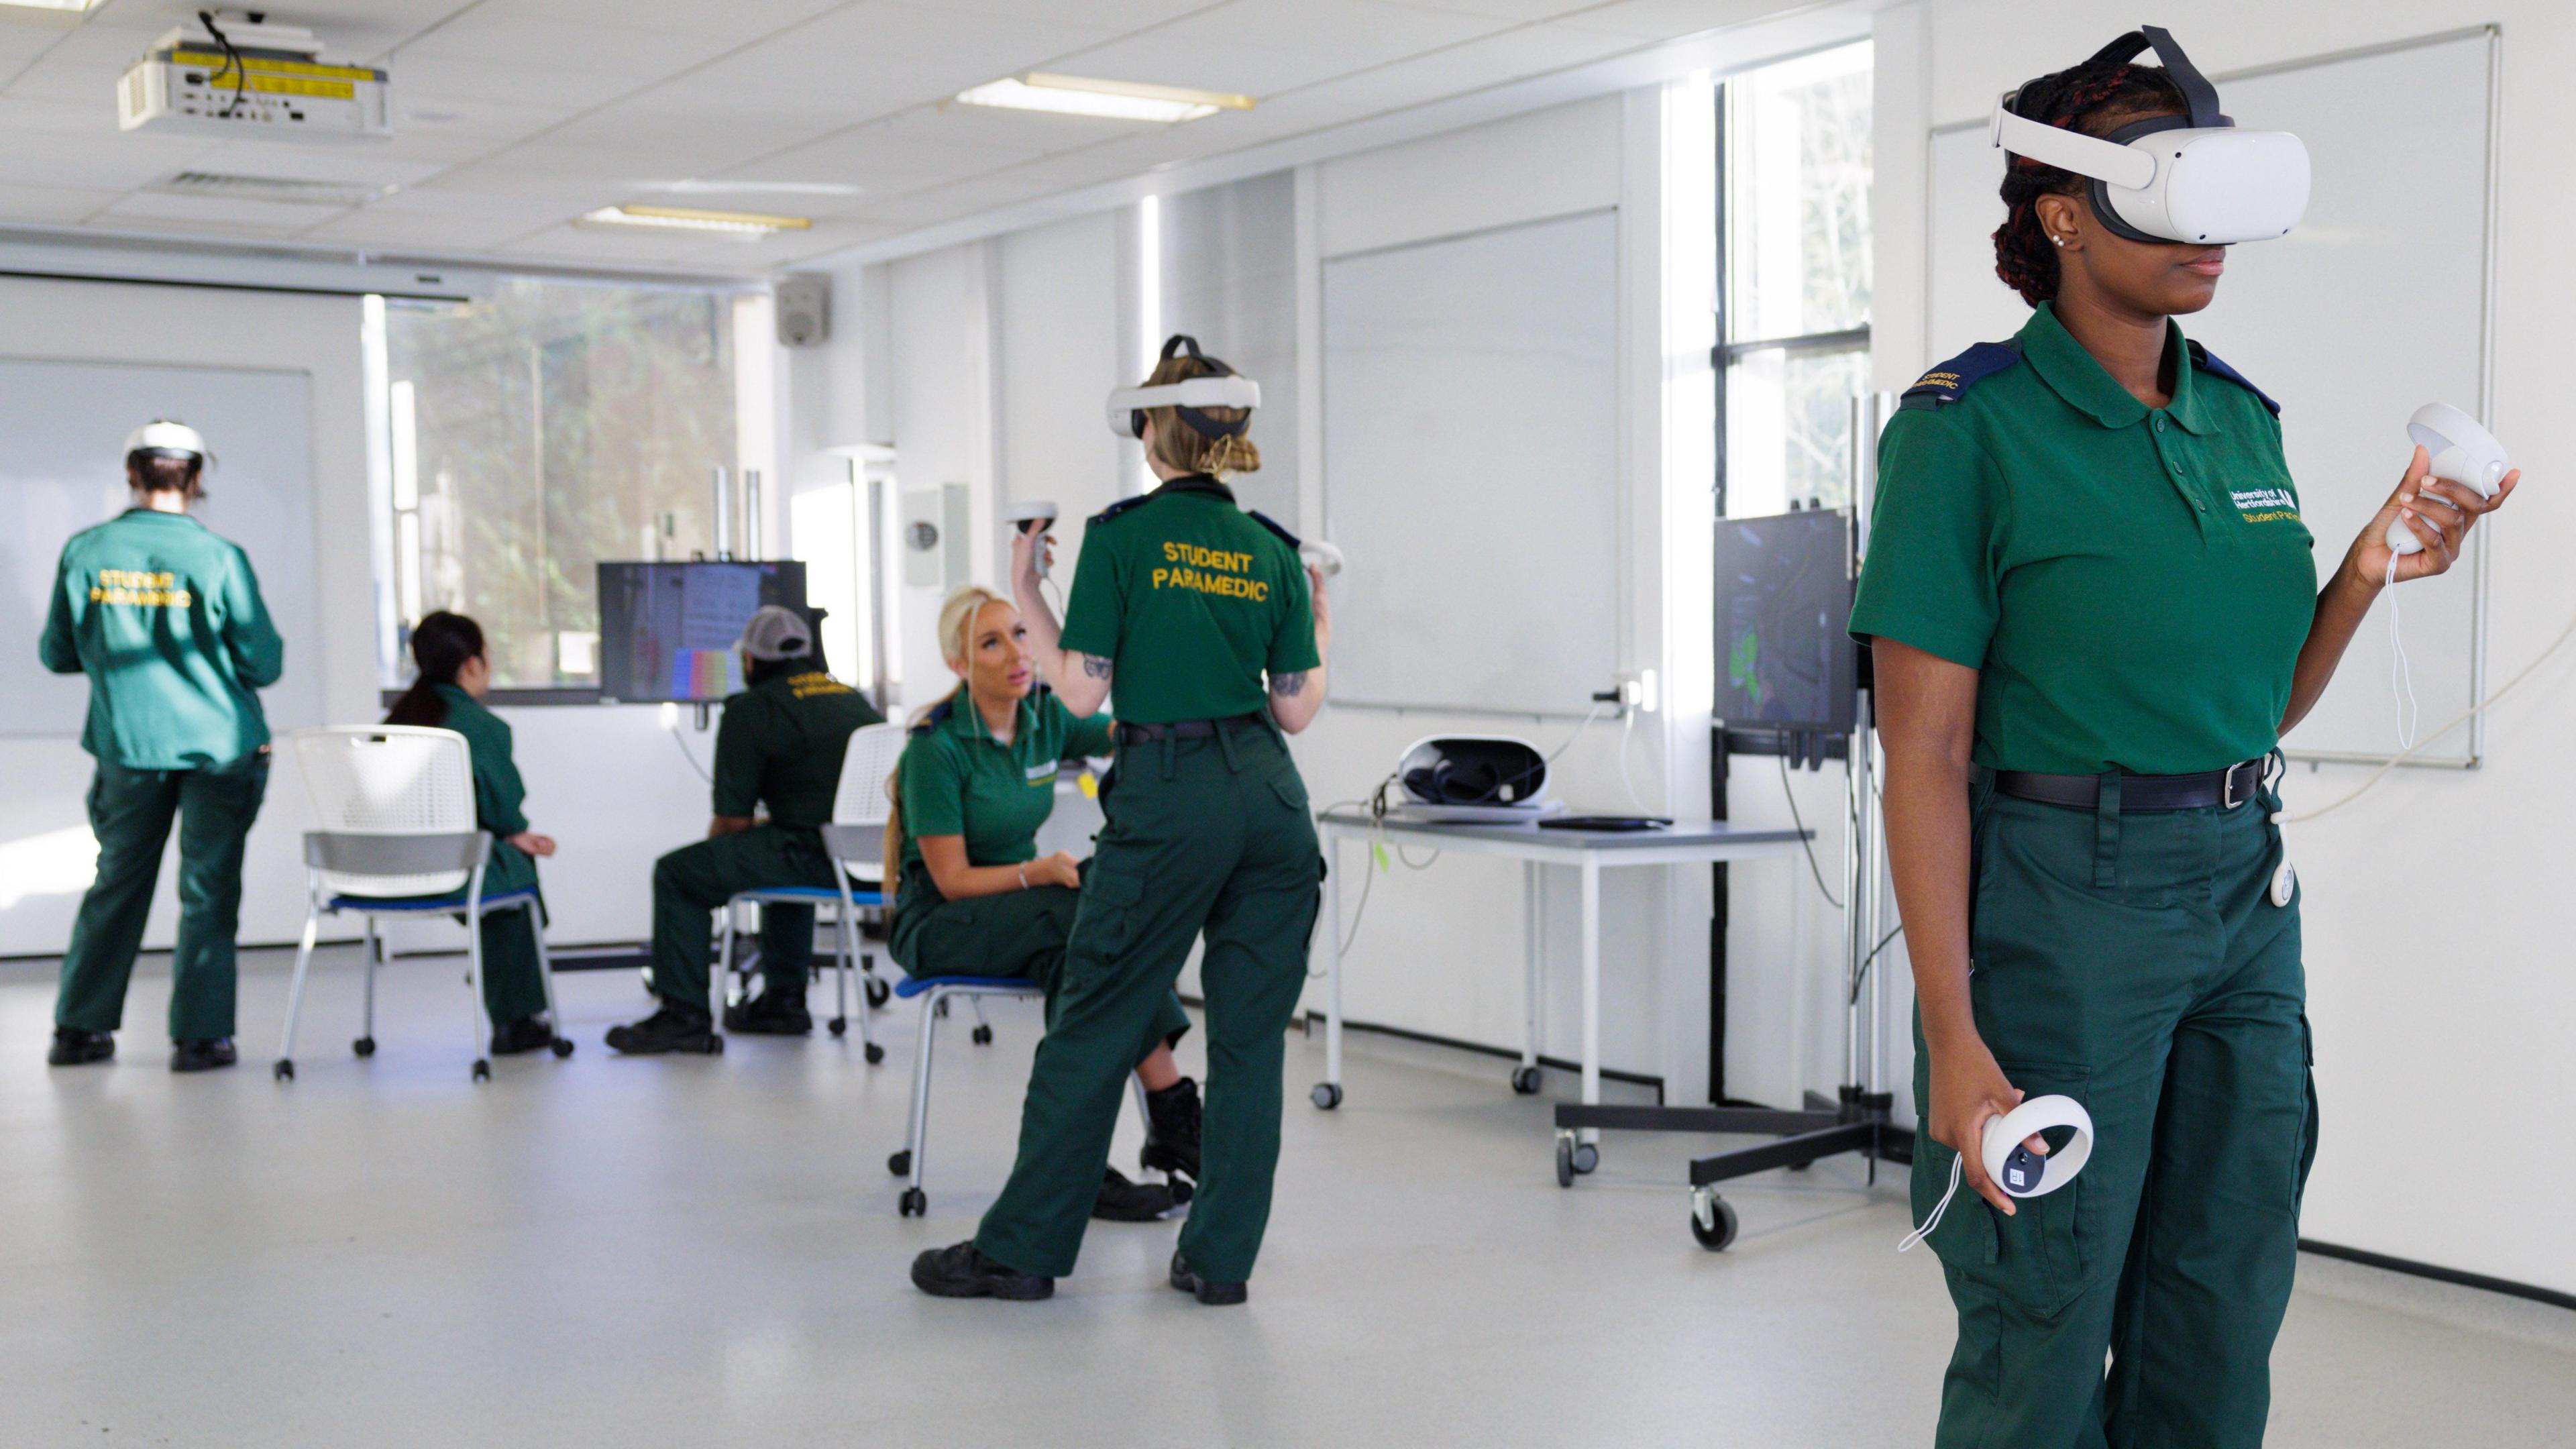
(2436, 944)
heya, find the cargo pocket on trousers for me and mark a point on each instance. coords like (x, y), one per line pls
(1105, 923)
(2308, 1121)
(2035, 1259)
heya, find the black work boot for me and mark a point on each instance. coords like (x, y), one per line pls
(527, 1034)
(962, 1271)
(674, 1028)
(74, 1047)
(203, 1054)
(1172, 1135)
(1215, 1295)
(1121, 1201)
(770, 1013)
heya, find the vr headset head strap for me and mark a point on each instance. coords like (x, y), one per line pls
(1197, 421)
(2198, 95)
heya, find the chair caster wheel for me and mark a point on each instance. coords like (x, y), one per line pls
(840, 1025)
(1564, 1162)
(482, 1070)
(715, 1046)
(1327, 1095)
(983, 1036)
(284, 1071)
(901, 1163)
(1525, 1080)
(879, 994)
(1712, 1221)
(562, 1047)
(875, 1054)
(1587, 1159)
(364, 1046)
(915, 1203)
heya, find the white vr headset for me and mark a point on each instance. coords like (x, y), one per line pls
(1190, 398)
(2191, 178)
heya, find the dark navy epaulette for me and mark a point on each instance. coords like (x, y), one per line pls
(1951, 380)
(1268, 522)
(933, 717)
(2208, 362)
(1121, 506)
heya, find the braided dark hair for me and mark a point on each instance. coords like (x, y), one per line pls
(2097, 97)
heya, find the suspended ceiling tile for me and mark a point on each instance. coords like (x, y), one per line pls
(1114, 15)
(112, 161)
(1673, 19)
(218, 210)
(924, 33)
(1479, 64)
(629, 55)
(53, 80)
(731, 20)
(54, 205)
(459, 82)
(424, 231)
(1263, 47)
(359, 164)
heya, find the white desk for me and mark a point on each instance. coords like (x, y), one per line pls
(1587, 851)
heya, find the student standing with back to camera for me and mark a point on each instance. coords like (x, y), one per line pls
(1215, 639)
(167, 621)
(2093, 610)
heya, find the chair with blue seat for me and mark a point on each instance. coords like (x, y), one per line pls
(935, 992)
(399, 839)
(854, 841)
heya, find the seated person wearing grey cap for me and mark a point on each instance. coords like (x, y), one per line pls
(780, 745)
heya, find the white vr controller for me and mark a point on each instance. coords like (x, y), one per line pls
(2021, 1172)
(1033, 517)
(2462, 452)
(1326, 558)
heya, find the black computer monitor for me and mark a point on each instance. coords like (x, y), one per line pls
(667, 631)
(1785, 659)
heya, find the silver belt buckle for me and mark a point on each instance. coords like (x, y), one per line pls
(2228, 799)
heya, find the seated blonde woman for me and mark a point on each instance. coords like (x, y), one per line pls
(974, 898)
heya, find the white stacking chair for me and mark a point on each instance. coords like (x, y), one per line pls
(396, 805)
(854, 840)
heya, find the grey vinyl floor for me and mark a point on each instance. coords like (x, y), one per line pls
(706, 1252)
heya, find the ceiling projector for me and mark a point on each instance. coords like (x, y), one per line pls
(249, 80)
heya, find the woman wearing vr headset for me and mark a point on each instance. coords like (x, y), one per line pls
(974, 897)
(2093, 610)
(1215, 638)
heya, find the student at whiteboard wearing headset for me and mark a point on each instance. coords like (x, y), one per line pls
(2093, 611)
(167, 621)
(1215, 638)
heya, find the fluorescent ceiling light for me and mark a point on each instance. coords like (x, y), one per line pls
(748, 225)
(696, 186)
(1074, 95)
(73, 5)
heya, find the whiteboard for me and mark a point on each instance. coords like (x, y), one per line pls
(1471, 452)
(2376, 305)
(62, 468)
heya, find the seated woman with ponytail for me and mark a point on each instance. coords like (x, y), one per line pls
(454, 677)
(976, 780)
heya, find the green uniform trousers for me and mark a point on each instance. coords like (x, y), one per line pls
(2137, 964)
(691, 883)
(1016, 933)
(1205, 835)
(131, 811)
(514, 985)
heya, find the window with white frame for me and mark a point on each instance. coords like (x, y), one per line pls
(1793, 235)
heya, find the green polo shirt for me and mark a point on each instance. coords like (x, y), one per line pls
(500, 796)
(1192, 600)
(2132, 585)
(780, 744)
(958, 780)
(167, 621)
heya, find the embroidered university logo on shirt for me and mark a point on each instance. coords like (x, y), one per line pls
(2265, 505)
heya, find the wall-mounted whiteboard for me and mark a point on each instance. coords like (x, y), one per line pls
(1471, 461)
(62, 468)
(2376, 305)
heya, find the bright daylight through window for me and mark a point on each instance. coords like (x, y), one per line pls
(545, 428)
(1794, 171)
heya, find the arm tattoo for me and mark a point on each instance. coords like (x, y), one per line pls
(1095, 666)
(1288, 685)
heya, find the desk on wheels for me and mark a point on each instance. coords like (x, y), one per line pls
(1587, 851)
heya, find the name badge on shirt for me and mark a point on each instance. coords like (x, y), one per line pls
(1042, 774)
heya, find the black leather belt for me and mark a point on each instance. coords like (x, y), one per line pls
(2226, 789)
(1181, 729)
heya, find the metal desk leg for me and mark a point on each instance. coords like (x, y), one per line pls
(1578, 1149)
(1328, 1092)
(1526, 1080)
